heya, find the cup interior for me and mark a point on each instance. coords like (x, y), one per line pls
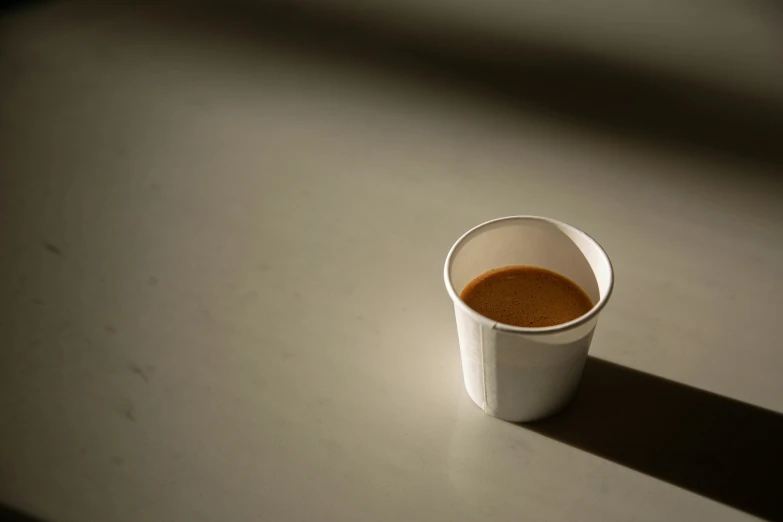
(531, 241)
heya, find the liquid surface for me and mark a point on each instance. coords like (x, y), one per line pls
(526, 296)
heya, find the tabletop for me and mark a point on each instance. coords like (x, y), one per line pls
(223, 297)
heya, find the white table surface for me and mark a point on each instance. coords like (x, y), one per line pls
(223, 296)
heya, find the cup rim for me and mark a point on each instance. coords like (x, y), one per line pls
(582, 319)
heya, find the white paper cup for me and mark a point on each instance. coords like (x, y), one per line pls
(523, 374)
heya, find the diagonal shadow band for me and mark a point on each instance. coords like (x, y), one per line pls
(723, 449)
(623, 99)
(521, 75)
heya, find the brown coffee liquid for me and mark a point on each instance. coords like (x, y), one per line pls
(526, 296)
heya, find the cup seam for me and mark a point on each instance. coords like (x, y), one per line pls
(483, 368)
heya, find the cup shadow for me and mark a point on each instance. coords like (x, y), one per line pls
(8, 514)
(720, 448)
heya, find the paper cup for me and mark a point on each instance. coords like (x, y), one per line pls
(523, 374)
